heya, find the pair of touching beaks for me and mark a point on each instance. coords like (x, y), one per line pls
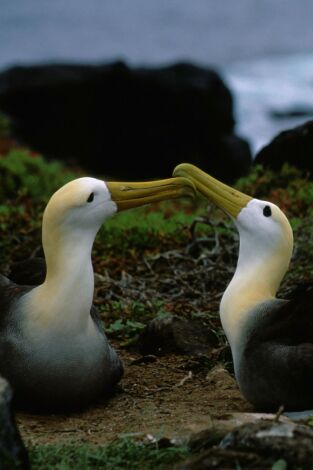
(187, 179)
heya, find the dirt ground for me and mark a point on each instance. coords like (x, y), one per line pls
(163, 398)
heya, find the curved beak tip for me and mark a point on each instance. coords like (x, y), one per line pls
(225, 197)
(182, 169)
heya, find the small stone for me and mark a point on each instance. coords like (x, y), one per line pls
(221, 378)
(173, 334)
(12, 451)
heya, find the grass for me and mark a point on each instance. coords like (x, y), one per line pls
(24, 172)
(124, 453)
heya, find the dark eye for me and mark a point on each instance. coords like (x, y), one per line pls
(267, 211)
(91, 197)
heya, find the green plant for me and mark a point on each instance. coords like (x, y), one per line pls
(125, 320)
(4, 126)
(290, 189)
(24, 172)
(118, 455)
(125, 330)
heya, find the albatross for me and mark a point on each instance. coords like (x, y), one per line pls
(271, 339)
(53, 349)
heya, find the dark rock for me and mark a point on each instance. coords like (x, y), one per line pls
(12, 451)
(206, 439)
(293, 146)
(221, 378)
(291, 441)
(224, 460)
(173, 334)
(218, 429)
(293, 112)
(259, 446)
(126, 122)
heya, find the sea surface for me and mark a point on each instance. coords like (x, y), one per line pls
(262, 48)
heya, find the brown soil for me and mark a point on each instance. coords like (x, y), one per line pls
(161, 398)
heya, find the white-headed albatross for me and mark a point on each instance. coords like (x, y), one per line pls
(53, 350)
(271, 339)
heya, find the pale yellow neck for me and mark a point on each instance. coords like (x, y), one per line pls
(65, 298)
(257, 279)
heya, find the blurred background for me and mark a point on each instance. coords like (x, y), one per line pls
(262, 50)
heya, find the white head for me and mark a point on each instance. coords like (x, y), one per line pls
(77, 210)
(266, 239)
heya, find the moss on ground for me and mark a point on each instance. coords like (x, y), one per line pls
(119, 455)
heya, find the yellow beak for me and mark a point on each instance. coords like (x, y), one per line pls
(225, 197)
(129, 195)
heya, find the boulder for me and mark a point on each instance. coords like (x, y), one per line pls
(260, 445)
(174, 334)
(218, 429)
(126, 122)
(273, 441)
(293, 146)
(12, 451)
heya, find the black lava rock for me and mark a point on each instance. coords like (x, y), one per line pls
(174, 334)
(293, 146)
(126, 122)
(12, 451)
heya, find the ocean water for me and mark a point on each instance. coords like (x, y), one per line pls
(264, 49)
(266, 85)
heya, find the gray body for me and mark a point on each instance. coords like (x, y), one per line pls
(56, 371)
(274, 363)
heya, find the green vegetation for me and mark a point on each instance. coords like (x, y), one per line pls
(292, 191)
(4, 126)
(23, 172)
(119, 455)
(289, 188)
(135, 317)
